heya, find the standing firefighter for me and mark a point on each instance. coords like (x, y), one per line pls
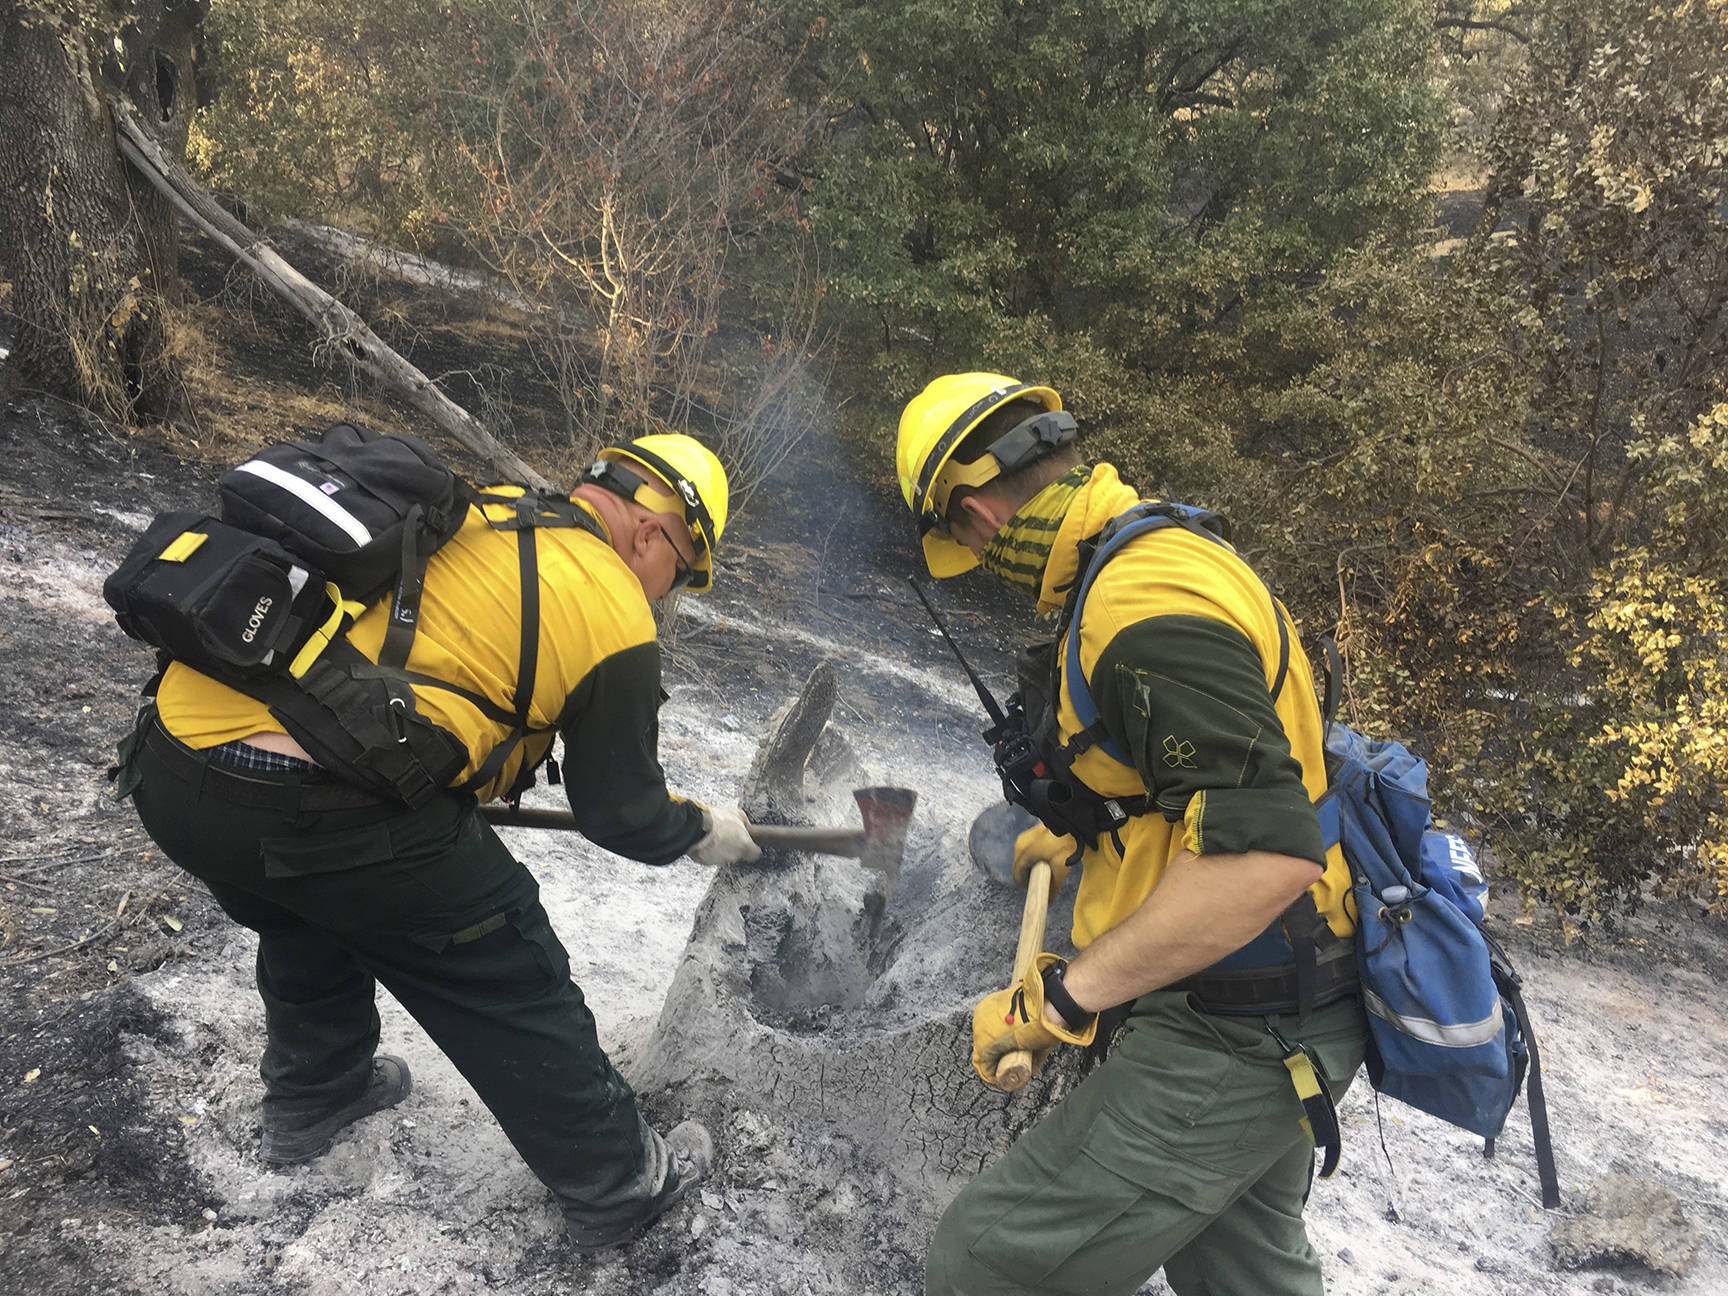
(1209, 910)
(348, 887)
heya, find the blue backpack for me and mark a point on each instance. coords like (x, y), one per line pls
(1448, 1030)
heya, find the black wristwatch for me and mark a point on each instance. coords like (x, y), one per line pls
(1056, 995)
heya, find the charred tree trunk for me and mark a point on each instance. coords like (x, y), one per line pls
(824, 1027)
(90, 252)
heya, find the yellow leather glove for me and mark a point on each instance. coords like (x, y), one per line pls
(1013, 1019)
(1039, 843)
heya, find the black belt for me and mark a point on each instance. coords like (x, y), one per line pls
(1251, 992)
(306, 793)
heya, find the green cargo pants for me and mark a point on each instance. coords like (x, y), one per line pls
(1182, 1151)
(430, 903)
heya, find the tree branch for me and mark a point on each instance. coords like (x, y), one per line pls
(344, 331)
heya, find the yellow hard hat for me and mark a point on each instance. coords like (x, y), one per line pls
(683, 466)
(932, 427)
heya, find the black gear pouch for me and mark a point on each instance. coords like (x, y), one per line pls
(218, 598)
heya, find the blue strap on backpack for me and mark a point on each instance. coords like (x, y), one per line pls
(1146, 516)
(1448, 1030)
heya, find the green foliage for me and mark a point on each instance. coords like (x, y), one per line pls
(1641, 750)
(1102, 192)
(1467, 466)
(1611, 160)
(1511, 468)
(332, 111)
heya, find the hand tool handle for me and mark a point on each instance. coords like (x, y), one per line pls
(1015, 1069)
(823, 841)
(526, 817)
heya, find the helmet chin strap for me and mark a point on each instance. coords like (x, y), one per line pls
(626, 485)
(696, 515)
(615, 478)
(1019, 447)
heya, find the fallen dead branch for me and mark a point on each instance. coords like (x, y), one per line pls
(112, 925)
(340, 331)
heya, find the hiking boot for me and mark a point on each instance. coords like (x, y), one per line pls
(692, 1150)
(286, 1145)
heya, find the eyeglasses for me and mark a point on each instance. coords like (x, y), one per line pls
(685, 573)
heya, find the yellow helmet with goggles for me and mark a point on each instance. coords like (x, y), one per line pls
(932, 428)
(651, 467)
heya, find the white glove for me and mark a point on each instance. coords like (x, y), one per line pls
(727, 840)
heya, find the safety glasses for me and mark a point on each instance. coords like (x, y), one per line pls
(685, 573)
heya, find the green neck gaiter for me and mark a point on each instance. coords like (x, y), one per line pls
(1022, 547)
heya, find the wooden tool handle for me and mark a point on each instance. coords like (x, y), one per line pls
(1015, 1069)
(823, 841)
(527, 817)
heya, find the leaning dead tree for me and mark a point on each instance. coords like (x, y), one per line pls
(341, 332)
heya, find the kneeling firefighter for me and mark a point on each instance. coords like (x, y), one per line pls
(1172, 745)
(533, 621)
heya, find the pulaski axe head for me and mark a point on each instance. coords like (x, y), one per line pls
(887, 812)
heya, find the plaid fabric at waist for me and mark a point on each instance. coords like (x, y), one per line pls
(286, 783)
(240, 755)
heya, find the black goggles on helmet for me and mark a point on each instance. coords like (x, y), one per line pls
(1021, 446)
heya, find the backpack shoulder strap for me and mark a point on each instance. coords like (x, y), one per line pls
(1143, 517)
(532, 509)
(1095, 553)
(529, 512)
(405, 605)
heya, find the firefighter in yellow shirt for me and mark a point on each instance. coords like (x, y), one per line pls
(1208, 910)
(348, 888)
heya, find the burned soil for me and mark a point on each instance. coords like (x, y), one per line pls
(816, 1022)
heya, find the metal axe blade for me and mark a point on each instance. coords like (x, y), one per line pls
(886, 811)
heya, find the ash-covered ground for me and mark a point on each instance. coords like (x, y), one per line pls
(128, 1083)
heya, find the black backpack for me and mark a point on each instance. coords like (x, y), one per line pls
(310, 534)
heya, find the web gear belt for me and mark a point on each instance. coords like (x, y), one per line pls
(1250, 992)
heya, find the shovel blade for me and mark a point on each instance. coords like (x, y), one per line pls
(992, 839)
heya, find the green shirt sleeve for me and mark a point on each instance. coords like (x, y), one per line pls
(1186, 696)
(612, 774)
